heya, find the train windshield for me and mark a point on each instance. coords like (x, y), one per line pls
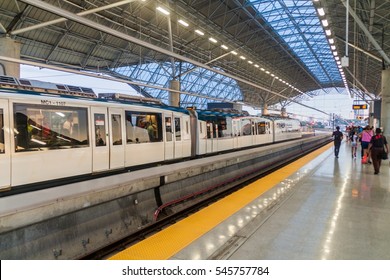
(2, 145)
(49, 127)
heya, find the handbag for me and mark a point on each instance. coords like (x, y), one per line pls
(384, 156)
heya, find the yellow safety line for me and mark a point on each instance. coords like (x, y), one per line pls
(171, 240)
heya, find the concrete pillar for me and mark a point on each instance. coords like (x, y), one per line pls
(9, 48)
(284, 112)
(385, 109)
(174, 97)
(371, 113)
(265, 109)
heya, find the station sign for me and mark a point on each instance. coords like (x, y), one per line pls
(359, 106)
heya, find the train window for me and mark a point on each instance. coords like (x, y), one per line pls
(209, 126)
(262, 127)
(100, 129)
(177, 129)
(40, 127)
(246, 127)
(2, 145)
(116, 129)
(225, 127)
(142, 127)
(168, 128)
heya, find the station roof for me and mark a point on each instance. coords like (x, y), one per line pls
(246, 51)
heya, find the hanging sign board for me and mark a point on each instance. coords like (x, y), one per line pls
(359, 107)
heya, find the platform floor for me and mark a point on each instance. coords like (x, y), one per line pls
(328, 208)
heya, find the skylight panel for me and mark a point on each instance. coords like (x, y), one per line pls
(296, 21)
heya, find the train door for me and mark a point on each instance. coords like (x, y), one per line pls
(236, 133)
(5, 149)
(117, 143)
(100, 146)
(169, 143)
(178, 146)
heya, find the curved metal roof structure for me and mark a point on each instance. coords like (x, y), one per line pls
(252, 51)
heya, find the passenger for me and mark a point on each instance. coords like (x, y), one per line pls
(150, 130)
(337, 138)
(365, 138)
(354, 140)
(377, 147)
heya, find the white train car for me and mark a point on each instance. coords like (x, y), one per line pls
(46, 136)
(286, 129)
(62, 131)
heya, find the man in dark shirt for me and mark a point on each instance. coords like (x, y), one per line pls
(337, 138)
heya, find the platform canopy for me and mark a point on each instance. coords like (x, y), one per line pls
(254, 52)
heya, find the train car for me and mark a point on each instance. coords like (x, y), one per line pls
(46, 135)
(52, 131)
(286, 129)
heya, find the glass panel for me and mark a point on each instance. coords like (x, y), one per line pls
(177, 129)
(116, 129)
(245, 127)
(142, 127)
(262, 127)
(168, 128)
(100, 129)
(40, 127)
(2, 144)
(209, 130)
(224, 127)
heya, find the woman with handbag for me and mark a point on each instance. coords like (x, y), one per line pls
(377, 148)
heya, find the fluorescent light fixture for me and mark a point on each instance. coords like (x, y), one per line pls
(162, 10)
(182, 22)
(328, 32)
(201, 33)
(268, 72)
(33, 126)
(325, 22)
(331, 41)
(257, 66)
(60, 114)
(39, 142)
(250, 62)
(337, 58)
(224, 47)
(321, 11)
(333, 47)
(262, 69)
(272, 75)
(242, 57)
(233, 52)
(335, 53)
(211, 39)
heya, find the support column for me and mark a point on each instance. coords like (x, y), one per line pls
(9, 48)
(265, 110)
(385, 109)
(174, 97)
(371, 113)
(284, 113)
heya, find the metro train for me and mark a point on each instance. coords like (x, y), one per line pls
(51, 131)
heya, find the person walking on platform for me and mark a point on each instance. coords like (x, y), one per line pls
(376, 148)
(337, 138)
(365, 138)
(354, 141)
